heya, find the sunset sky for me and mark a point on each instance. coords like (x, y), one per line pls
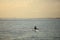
(29, 8)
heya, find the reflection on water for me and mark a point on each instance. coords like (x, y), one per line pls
(49, 29)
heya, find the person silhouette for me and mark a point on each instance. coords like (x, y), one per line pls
(35, 28)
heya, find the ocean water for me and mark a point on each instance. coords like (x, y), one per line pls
(22, 29)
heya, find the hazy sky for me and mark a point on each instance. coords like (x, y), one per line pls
(29, 8)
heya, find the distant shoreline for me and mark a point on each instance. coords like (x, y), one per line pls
(23, 19)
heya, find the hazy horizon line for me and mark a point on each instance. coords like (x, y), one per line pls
(18, 19)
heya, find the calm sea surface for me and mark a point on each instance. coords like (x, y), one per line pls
(22, 29)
